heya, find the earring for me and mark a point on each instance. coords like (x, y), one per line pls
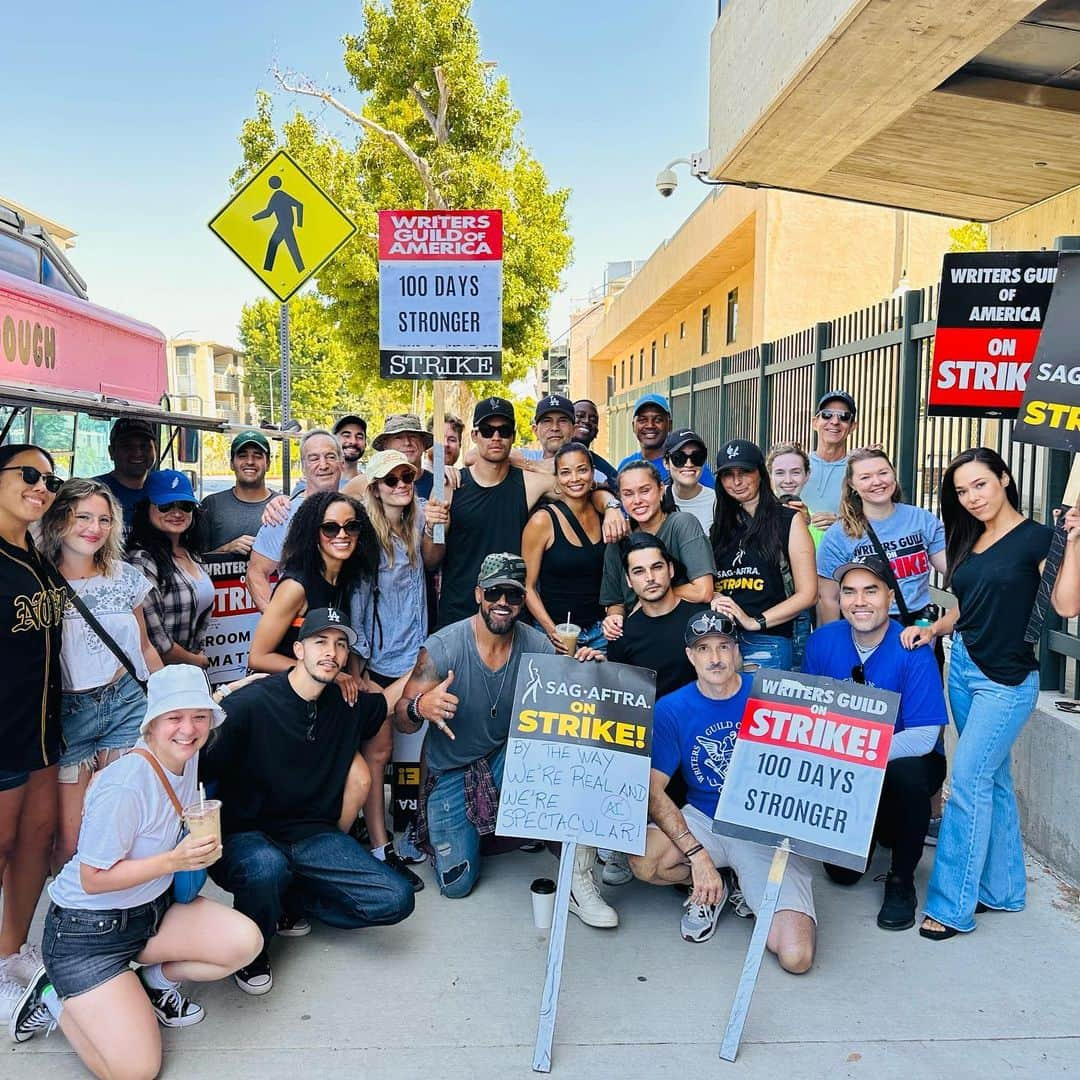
(556, 490)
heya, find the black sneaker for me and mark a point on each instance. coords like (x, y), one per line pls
(359, 831)
(293, 925)
(398, 864)
(898, 908)
(256, 978)
(30, 1014)
(172, 1007)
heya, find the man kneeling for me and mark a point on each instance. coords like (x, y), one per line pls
(694, 730)
(282, 762)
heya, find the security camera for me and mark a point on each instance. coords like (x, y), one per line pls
(666, 182)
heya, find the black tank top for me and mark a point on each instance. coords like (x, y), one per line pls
(319, 593)
(570, 575)
(483, 520)
(753, 581)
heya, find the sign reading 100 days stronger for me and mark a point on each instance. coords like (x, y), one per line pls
(440, 294)
(808, 766)
(577, 760)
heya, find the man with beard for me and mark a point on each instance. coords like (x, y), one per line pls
(463, 686)
(586, 428)
(351, 432)
(281, 761)
(133, 447)
(231, 518)
(652, 426)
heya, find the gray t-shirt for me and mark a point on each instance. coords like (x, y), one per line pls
(476, 687)
(822, 491)
(225, 517)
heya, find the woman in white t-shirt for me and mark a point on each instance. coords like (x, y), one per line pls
(112, 902)
(102, 705)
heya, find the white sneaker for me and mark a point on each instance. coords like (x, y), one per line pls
(585, 899)
(617, 869)
(10, 992)
(699, 921)
(22, 966)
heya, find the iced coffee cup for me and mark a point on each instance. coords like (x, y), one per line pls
(204, 819)
(568, 633)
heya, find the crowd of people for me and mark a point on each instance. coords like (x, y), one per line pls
(384, 606)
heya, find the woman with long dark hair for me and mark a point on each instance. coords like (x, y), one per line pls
(994, 558)
(757, 542)
(31, 614)
(164, 544)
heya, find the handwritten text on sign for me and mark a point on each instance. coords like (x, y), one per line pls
(577, 760)
(808, 765)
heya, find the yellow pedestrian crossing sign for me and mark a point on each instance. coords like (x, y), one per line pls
(282, 225)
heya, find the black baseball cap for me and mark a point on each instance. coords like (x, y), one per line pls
(838, 395)
(351, 418)
(680, 438)
(326, 618)
(739, 454)
(870, 563)
(554, 403)
(488, 407)
(132, 425)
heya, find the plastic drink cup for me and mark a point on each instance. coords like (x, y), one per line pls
(568, 634)
(543, 902)
(204, 819)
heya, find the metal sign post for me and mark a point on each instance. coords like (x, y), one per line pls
(438, 456)
(549, 1001)
(286, 395)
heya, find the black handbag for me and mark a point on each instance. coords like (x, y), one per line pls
(103, 635)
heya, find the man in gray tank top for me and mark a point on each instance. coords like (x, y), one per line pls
(463, 686)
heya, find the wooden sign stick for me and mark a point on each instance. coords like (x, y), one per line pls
(549, 1002)
(756, 950)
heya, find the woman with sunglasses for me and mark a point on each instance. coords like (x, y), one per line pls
(31, 614)
(685, 456)
(103, 704)
(164, 544)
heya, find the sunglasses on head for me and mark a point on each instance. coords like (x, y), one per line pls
(182, 505)
(31, 476)
(333, 529)
(842, 415)
(695, 457)
(513, 595)
(406, 476)
(489, 431)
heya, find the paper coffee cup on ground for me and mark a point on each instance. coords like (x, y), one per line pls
(543, 902)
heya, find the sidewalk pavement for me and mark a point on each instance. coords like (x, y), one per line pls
(454, 992)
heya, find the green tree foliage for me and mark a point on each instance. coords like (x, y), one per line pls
(969, 237)
(434, 127)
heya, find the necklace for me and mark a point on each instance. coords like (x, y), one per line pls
(494, 702)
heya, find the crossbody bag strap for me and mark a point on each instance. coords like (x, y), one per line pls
(104, 636)
(893, 583)
(156, 765)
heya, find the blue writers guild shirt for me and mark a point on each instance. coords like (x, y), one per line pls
(697, 735)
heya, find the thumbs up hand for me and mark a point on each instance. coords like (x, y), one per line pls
(439, 706)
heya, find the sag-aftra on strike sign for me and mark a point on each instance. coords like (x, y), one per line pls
(440, 294)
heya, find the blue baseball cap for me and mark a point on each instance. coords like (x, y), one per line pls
(168, 486)
(652, 399)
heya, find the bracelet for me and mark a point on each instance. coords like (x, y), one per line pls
(676, 839)
(412, 710)
(694, 850)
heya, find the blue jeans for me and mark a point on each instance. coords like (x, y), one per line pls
(328, 876)
(593, 637)
(765, 650)
(802, 625)
(980, 855)
(452, 836)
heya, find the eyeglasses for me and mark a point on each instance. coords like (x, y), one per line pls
(858, 674)
(313, 719)
(184, 506)
(333, 529)
(842, 415)
(514, 597)
(31, 476)
(490, 431)
(680, 457)
(397, 479)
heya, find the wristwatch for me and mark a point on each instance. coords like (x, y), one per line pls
(761, 624)
(612, 503)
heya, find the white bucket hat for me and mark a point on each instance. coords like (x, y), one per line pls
(179, 686)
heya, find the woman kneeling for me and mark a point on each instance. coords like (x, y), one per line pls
(112, 903)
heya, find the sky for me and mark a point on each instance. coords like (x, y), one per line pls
(121, 122)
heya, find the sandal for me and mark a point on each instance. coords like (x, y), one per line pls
(943, 934)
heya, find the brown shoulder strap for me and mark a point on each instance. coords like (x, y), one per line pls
(156, 765)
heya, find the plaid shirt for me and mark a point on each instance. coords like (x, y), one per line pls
(170, 609)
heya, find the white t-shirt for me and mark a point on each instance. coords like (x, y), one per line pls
(702, 506)
(127, 816)
(86, 662)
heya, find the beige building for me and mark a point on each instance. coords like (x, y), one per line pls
(208, 378)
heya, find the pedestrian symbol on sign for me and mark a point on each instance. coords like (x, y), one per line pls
(281, 206)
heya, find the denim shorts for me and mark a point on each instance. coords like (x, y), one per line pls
(85, 949)
(105, 718)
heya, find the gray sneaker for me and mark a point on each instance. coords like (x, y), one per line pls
(617, 869)
(699, 921)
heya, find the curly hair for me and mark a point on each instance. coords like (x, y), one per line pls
(59, 517)
(302, 557)
(145, 536)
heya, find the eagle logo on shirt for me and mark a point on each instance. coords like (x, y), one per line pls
(711, 754)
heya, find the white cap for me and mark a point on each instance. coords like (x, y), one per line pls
(179, 686)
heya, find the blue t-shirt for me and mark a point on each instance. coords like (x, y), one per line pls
(912, 673)
(909, 535)
(697, 735)
(822, 490)
(707, 478)
(125, 496)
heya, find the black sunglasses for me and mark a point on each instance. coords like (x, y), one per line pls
(313, 719)
(513, 596)
(406, 476)
(182, 505)
(837, 414)
(332, 529)
(489, 431)
(680, 457)
(858, 674)
(31, 476)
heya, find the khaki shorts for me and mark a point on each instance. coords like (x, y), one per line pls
(752, 862)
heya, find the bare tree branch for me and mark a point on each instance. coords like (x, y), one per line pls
(435, 120)
(425, 108)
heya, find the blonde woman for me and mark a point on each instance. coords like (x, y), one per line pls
(103, 703)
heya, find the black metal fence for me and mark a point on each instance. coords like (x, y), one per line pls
(881, 356)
